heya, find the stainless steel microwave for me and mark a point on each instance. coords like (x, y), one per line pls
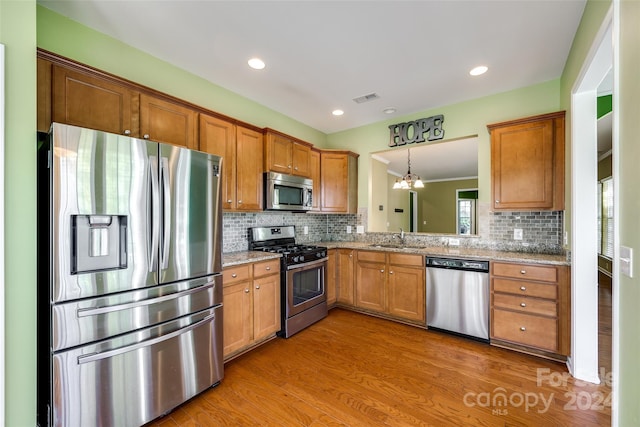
(287, 192)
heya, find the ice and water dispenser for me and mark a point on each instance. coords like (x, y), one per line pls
(99, 242)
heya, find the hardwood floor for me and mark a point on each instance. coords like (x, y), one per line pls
(354, 370)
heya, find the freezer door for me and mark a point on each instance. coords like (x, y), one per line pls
(83, 321)
(132, 379)
(104, 210)
(191, 218)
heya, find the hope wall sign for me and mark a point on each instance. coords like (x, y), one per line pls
(412, 132)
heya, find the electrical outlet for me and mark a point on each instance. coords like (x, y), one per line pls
(306, 229)
(348, 229)
(566, 238)
(454, 242)
(517, 234)
(360, 229)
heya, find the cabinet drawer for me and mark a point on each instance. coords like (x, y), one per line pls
(525, 304)
(526, 271)
(406, 259)
(371, 256)
(522, 287)
(527, 329)
(267, 267)
(235, 274)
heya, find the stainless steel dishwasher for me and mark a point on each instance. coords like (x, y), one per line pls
(458, 296)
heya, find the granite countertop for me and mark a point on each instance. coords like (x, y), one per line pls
(448, 251)
(243, 257)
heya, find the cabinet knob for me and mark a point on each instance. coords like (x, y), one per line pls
(523, 304)
(246, 291)
(523, 329)
(296, 168)
(145, 136)
(522, 288)
(127, 132)
(382, 270)
(257, 286)
(239, 202)
(234, 275)
(390, 271)
(497, 201)
(268, 268)
(229, 201)
(289, 166)
(350, 256)
(523, 271)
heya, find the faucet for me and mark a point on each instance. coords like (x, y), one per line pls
(400, 236)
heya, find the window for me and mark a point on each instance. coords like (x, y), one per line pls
(605, 217)
(466, 211)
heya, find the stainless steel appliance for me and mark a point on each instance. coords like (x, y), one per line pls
(302, 271)
(129, 277)
(458, 296)
(287, 192)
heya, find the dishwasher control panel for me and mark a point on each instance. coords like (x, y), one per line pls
(457, 264)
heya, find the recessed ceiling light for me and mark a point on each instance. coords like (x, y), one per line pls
(389, 110)
(337, 112)
(256, 63)
(478, 70)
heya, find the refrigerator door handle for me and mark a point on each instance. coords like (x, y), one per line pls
(154, 215)
(166, 212)
(92, 357)
(85, 312)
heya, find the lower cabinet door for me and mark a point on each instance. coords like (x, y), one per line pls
(406, 293)
(238, 316)
(266, 306)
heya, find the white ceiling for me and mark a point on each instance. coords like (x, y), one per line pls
(415, 55)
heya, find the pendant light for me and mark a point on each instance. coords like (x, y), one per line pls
(409, 180)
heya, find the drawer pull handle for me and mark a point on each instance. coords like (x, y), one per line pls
(523, 304)
(523, 329)
(234, 275)
(523, 288)
(523, 271)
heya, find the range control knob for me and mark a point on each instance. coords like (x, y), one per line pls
(301, 258)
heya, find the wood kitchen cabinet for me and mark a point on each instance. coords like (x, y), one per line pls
(331, 276)
(527, 163)
(530, 308)
(169, 122)
(392, 284)
(314, 172)
(251, 298)
(241, 148)
(45, 75)
(91, 101)
(338, 181)
(346, 275)
(286, 155)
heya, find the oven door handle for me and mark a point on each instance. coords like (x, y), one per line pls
(307, 264)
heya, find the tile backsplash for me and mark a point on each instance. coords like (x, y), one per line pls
(541, 231)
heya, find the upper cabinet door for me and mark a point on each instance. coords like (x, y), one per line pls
(249, 148)
(338, 181)
(168, 122)
(278, 154)
(301, 154)
(527, 163)
(219, 137)
(83, 100)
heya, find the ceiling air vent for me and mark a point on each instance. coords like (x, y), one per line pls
(366, 98)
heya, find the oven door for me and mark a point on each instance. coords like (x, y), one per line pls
(305, 286)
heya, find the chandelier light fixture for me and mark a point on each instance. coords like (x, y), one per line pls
(410, 180)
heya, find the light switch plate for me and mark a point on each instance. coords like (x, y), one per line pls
(626, 261)
(454, 242)
(306, 229)
(348, 229)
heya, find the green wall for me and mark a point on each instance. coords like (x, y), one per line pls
(628, 112)
(18, 34)
(437, 205)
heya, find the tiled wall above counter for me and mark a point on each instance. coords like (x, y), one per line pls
(541, 231)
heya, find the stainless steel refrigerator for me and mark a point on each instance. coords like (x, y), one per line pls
(129, 278)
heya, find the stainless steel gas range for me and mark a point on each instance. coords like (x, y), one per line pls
(302, 276)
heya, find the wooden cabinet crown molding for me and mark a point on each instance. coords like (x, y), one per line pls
(525, 120)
